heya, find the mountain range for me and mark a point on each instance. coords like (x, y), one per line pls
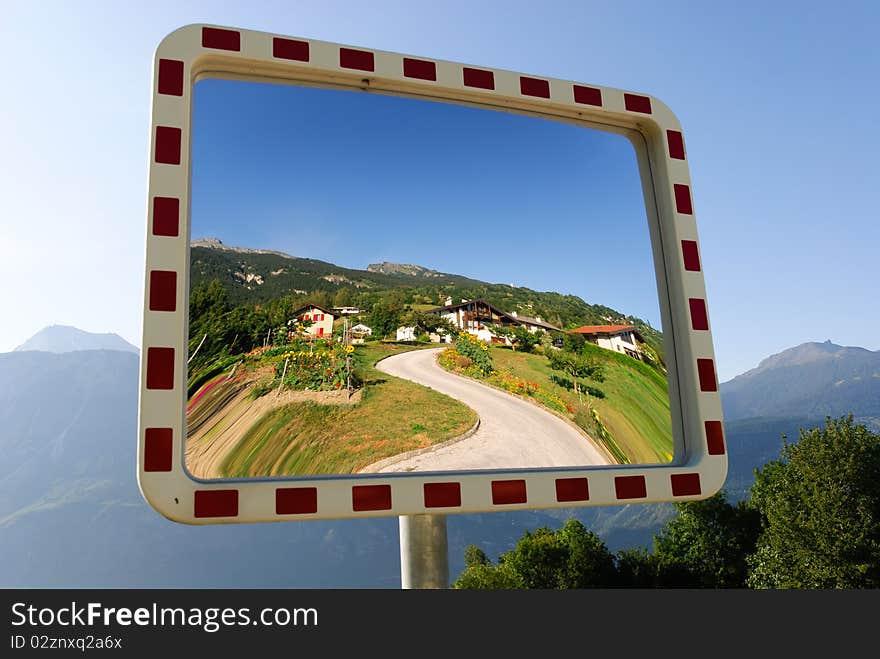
(254, 277)
(71, 513)
(812, 380)
(63, 338)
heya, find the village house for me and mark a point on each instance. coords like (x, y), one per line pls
(359, 332)
(347, 311)
(620, 338)
(477, 317)
(321, 320)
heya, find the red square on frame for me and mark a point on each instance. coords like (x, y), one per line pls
(160, 368)
(220, 39)
(507, 492)
(706, 372)
(534, 87)
(684, 485)
(683, 203)
(362, 60)
(478, 78)
(418, 68)
(296, 500)
(587, 95)
(442, 495)
(691, 255)
(630, 487)
(168, 145)
(158, 448)
(714, 438)
(170, 77)
(572, 489)
(163, 290)
(291, 49)
(370, 497)
(166, 216)
(699, 315)
(215, 503)
(675, 140)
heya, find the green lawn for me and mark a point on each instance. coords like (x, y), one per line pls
(393, 416)
(635, 409)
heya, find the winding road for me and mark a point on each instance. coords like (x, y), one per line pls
(513, 433)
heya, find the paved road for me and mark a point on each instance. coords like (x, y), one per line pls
(513, 433)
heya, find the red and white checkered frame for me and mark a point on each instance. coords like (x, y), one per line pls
(197, 51)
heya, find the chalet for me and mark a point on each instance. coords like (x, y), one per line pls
(406, 334)
(478, 316)
(321, 320)
(620, 338)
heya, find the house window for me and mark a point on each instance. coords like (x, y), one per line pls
(320, 331)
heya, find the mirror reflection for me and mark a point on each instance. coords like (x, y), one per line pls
(387, 284)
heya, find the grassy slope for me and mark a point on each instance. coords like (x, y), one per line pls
(394, 416)
(635, 408)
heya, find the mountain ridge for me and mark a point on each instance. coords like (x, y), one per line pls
(811, 379)
(259, 277)
(66, 338)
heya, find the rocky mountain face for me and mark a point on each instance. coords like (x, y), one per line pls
(405, 269)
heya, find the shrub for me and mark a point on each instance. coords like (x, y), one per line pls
(476, 351)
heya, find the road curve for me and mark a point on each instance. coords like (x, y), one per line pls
(513, 433)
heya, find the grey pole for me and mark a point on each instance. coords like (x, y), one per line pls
(424, 552)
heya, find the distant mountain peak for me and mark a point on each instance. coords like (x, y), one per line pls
(805, 353)
(64, 338)
(406, 269)
(809, 380)
(216, 243)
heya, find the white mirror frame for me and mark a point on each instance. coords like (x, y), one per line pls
(197, 51)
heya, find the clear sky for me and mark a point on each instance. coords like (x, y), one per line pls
(356, 178)
(776, 101)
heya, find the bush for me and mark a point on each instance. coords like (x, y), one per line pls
(477, 351)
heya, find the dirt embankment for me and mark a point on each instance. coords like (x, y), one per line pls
(223, 411)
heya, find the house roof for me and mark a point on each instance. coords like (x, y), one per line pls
(535, 321)
(606, 330)
(521, 320)
(311, 306)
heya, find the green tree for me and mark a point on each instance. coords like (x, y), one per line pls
(521, 338)
(426, 323)
(820, 504)
(384, 319)
(342, 298)
(571, 557)
(575, 365)
(707, 544)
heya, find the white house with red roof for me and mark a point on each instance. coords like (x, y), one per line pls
(619, 338)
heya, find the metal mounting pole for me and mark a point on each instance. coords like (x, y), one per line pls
(424, 552)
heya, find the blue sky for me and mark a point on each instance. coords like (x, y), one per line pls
(775, 99)
(354, 178)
